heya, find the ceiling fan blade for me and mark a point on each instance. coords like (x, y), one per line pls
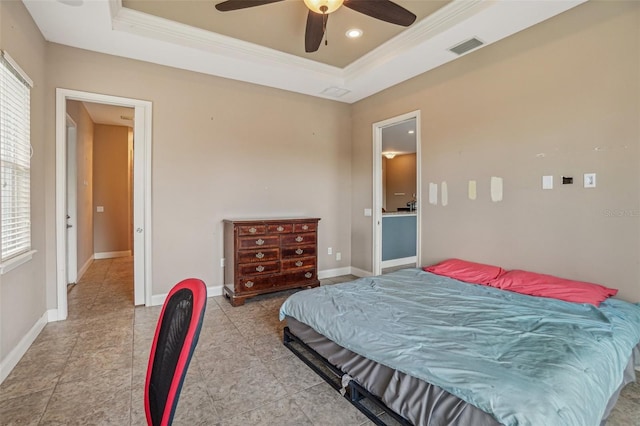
(384, 10)
(229, 5)
(314, 32)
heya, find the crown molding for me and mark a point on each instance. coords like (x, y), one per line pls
(143, 24)
(106, 26)
(452, 14)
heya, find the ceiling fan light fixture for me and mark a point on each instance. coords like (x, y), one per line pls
(323, 7)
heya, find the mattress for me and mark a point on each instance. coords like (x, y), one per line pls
(419, 402)
(396, 386)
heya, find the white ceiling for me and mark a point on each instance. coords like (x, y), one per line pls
(397, 139)
(106, 26)
(110, 114)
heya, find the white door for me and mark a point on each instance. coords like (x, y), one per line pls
(72, 216)
(378, 190)
(141, 191)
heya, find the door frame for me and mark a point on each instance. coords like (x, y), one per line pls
(141, 192)
(71, 201)
(377, 186)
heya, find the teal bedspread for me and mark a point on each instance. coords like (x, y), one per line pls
(525, 360)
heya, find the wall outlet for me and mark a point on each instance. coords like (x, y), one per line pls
(330, 250)
(100, 209)
(338, 256)
(222, 262)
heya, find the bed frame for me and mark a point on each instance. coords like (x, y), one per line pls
(352, 391)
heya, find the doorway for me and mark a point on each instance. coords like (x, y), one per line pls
(396, 187)
(141, 193)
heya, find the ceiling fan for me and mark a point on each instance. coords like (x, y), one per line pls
(319, 11)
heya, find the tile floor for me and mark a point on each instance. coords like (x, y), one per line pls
(90, 369)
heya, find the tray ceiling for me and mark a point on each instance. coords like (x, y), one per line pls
(264, 45)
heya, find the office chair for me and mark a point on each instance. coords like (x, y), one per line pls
(173, 345)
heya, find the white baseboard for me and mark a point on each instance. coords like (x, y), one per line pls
(330, 273)
(398, 262)
(85, 267)
(12, 359)
(360, 272)
(53, 316)
(112, 254)
(158, 299)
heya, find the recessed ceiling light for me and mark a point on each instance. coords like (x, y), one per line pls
(411, 132)
(354, 33)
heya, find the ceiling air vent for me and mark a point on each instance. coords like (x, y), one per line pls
(466, 46)
(335, 92)
(126, 117)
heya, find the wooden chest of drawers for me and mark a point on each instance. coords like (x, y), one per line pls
(263, 256)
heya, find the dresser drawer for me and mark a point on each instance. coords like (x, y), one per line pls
(259, 255)
(252, 229)
(281, 228)
(258, 268)
(258, 242)
(300, 251)
(304, 227)
(262, 283)
(301, 263)
(299, 239)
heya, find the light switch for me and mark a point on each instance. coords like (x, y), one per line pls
(589, 180)
(547, 182)
(367, 212)
(100, 209)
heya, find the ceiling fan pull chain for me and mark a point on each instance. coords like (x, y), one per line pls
(324, 28)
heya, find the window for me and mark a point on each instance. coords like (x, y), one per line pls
(15, 161)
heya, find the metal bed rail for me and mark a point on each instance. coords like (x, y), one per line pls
(353, 391)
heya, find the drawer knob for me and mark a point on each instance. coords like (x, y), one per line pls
(299, 251)
(308, 275)
(259, 241)
(280, 228)
(259, 268)
(299, 263)
(299, 239)
(260, 255)
(248, 284)
(305, 227)
(252, 230)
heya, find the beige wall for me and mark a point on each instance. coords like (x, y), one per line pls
(567, 88)
(84, 181)
(400, 176)
(22, 290)
(111, 230)
(221, 149)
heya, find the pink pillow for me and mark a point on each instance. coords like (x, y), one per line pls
(542, 285)
(476, 273)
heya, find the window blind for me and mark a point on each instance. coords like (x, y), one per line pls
(15, 159)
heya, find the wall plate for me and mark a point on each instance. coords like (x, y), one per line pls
(589, 180)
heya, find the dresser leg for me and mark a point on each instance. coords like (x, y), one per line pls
(237, 301)
(232, 298)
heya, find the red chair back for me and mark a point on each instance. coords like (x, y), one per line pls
(173, 345)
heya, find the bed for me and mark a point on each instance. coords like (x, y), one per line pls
(434, 350)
